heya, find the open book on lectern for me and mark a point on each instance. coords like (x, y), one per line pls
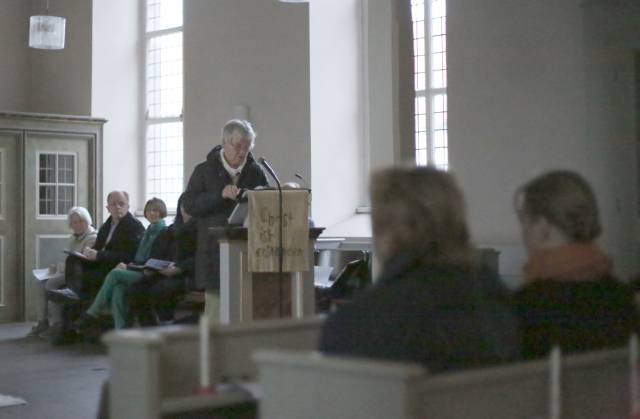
(239, 213)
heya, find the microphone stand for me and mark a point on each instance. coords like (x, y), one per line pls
(271, 172)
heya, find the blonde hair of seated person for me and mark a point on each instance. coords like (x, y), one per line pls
(419, 211)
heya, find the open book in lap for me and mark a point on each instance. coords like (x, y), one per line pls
(153, 264)
(75, 253)
(45, 274)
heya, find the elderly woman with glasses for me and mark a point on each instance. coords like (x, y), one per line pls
(211, 195)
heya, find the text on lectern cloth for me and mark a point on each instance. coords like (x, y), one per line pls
(263, 235)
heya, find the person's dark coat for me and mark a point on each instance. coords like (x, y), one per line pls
(160, 293)
(177, 243)
(443, 317)
(577, 315)
(123, 244)
(203, 199)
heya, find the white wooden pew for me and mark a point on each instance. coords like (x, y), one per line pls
(309, 385)
(156, 371)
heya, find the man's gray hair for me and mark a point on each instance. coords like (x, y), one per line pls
(81, 212)
(124, 193)
(245, 128)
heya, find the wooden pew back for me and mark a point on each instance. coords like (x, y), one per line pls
(308, 384)
(149, 366)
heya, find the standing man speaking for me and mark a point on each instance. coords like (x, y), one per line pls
(211, 196)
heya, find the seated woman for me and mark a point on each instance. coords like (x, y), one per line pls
(157, 294)
(570, 296)
(84, 236)
(431, 304)
(112, 292)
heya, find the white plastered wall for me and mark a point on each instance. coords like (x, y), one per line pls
(252, 53)
(528, 93)
(117, 95)
(336, 109)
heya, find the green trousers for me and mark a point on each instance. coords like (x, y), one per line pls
(112, 295)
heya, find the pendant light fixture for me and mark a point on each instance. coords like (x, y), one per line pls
(46, 32)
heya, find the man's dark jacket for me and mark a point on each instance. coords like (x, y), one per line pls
(123, 244)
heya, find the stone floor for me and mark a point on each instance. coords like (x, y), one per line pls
(56, 381)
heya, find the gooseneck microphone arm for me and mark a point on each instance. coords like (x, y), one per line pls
(269, 170)
(299, 176)
(272, 172)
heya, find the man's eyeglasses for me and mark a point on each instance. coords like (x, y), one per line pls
(241, 146)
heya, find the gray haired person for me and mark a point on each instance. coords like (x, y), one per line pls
(83, 236)
(212, 192)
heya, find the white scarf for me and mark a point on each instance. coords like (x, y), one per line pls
(234, 173)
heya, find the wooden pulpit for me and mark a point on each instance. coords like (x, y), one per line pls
(251, 287)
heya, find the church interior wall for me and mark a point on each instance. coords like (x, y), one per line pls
(532, 86)
(252, 55)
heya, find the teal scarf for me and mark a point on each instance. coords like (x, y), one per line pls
(144, 248)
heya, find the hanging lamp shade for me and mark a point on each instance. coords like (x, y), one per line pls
(46, 32)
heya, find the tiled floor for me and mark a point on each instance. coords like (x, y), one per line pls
(57, 382)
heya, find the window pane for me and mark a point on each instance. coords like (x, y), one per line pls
(65, 199)
(421, 141)
(421, 157)
(429, 33)
(164, 76)
(440, 157)
(419, 53)
(47, 168)
(66, 169)
(163, 14)
(438, 8)
(164, 162)
(47, 200)
(440, 139)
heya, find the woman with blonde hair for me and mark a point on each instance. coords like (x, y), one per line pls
(431, 304)
(570, 296)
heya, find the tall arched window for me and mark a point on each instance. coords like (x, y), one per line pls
(430, 77)
(164, 100)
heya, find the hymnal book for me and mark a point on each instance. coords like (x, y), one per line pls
(239, 213)
(75, 253)
(44, 274)
(153, 264)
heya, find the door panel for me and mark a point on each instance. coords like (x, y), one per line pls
(10, 221)
(56, 179)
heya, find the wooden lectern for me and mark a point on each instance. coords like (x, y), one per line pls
(250, 285)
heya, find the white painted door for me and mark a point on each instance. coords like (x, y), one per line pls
(57, 170)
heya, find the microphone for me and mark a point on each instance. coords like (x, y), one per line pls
(269, 170)
(299, 176)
